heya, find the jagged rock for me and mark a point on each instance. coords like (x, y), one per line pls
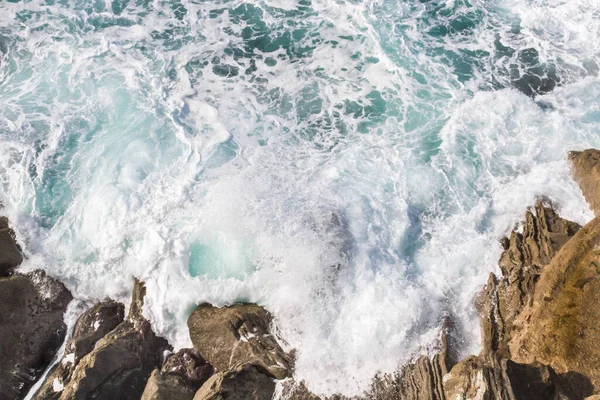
(495, 378)
(524, 256)
(559, 328)
(91, 326)
(421, 380)
(31, 329)
(119, 365)
(179, 378)
(586, 172)
(238, 334)
(10, 253)
(247, 382)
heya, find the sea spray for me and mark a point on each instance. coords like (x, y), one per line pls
(350, 166)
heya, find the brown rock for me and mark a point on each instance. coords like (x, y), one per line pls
(121, 362)
(91, 326)
(247, 382)
(495, 378)
(560, 328)
(10, 252)
(521, 263)
(238, 334)
(179, 378)
(586, 172)
(31, 329)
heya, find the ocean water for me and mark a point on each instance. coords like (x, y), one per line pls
(349, 165)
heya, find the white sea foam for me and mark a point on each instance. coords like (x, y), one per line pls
(355, 183)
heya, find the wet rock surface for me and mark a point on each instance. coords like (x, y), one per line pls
(182, 374)
(31, 329)
(239, 334)
(121, 362)
(245, 382)
(10, 253)
(91, 326)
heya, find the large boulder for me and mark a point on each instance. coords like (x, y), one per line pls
(495, 378)
(31, 329)
(91, 326)
(586, 172)
(179, 378)
(10, 253)
(559, 328)
(121, 362)
(238, 334)
(244, 382)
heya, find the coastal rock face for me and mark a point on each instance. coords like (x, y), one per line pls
(422, 379)
(493, 377)
(179, 378)
(91, 326)
(238, 334)
(247, 382)
(10, 253)
(560, 326)
(31, 329)
(525, 255)
(586, 172)
(121, 362)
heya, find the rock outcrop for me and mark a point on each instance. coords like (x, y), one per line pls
(525, 255)
(493, 377)
(121, 362)
(10, 253)
(559, 327)
(179, 378)
(91, 326)
(239, 334)
(244, 382)
(31, 329)
(586, 172)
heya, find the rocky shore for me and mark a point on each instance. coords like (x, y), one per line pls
(539, 322)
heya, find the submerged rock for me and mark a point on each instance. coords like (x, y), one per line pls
(91, 326)
(31, 329)
(10, 253)
(179, 378)
(121, 362)
(525, 255)
(586, 172)
(247, 382)
(239, 334)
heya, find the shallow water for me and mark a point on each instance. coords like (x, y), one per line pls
(348, 165)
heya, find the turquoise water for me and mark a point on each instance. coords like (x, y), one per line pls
(349, 165)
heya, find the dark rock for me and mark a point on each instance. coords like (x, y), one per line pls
(31, 329)
(495, 378)
(121, 362)
(502, 299)
(91, 326)
(248, 382)
(238, 334)
(585, 167)
(179, 378)
(10, 252)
